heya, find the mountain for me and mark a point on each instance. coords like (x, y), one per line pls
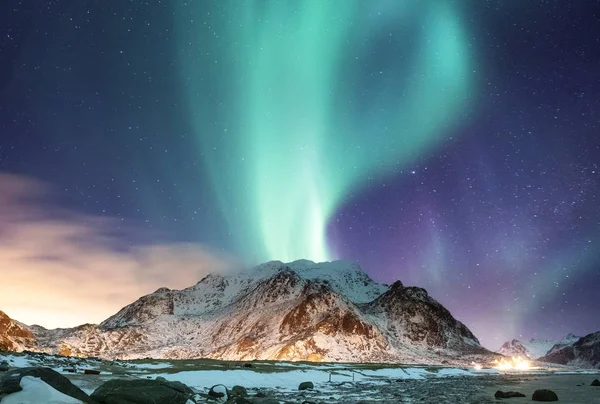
(515, 348)
(14, 336)
(534, 348)
(330, 311)
(585, 352)
(569, 340)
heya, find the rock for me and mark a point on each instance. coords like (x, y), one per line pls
(508, 394)
(544, 395)
(239, 391)
(265, 400)
(306, 386)
(596, 382)
(260, 394)
(218, 391)
(11, 382)
(239, 400)
(91, 372)
(4, 366)
(69, 370)
(142, 391)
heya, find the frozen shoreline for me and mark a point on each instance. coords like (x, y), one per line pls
(347, 382)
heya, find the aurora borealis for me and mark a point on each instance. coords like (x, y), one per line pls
(449, 144)
(296, 139)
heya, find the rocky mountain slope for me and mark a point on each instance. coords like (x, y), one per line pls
(297, 311)
(14, 336)
(515, 348)
(583, 353)
(535, 348)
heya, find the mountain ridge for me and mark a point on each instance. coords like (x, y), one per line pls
(585, 352)
(535, 348)
(301, 310)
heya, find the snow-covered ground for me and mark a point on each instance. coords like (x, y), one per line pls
(281, 379)
(36, 391)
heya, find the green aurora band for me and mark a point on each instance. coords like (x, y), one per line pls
(283, 123)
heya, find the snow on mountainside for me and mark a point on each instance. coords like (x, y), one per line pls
(535, 348)
(329, 311)
(585, 352)
(515, 348)
(14, 336)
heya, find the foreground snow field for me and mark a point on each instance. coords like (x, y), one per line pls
(333, 382)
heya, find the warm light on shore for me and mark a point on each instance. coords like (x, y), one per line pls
(512, 363)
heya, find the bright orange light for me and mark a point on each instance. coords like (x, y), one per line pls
(512, 364)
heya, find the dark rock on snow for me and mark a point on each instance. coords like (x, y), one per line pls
(4, 366)
(142, 392)
(596, 382)
(544, 395)
(11, 382)
(306, 386)
(508, 394)
(218, 391)
(239, 400)
(239, 391)
(265, 400)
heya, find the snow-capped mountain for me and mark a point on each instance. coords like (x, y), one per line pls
(14, 336)
(515, 348)
(585, 352)
(329, 311)
(535, 348)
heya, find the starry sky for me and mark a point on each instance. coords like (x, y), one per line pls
(450, 144)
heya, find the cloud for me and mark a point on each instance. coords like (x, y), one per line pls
(61, 269)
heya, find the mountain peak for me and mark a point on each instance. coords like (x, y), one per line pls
(300, 310)
(572, 336)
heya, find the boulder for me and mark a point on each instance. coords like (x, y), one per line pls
(239, 400)
(4, 366)
(265, 400)
(218, 391)
(142, 391)
(596, 382)
(508, 394)
(239, 391)
(306, 386)
(11, 382)
(544, 395)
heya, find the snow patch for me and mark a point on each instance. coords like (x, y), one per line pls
(36, 391)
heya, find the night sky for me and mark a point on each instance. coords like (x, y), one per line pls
(453, 145)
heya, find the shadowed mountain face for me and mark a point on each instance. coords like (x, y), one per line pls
(296, 311)
(13, 335)
(584, 353)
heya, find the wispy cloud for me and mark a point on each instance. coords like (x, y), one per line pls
(59, 268)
